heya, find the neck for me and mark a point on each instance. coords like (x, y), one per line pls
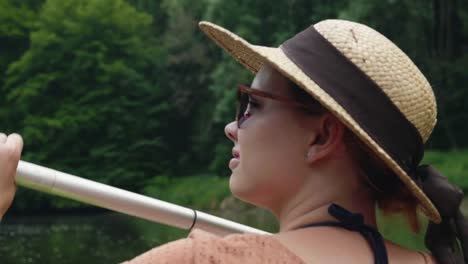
(309, 208)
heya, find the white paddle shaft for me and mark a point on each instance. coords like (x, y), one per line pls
(66, 185)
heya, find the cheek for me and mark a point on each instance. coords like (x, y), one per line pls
(271, 156)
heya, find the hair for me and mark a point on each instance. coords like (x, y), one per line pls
(390, 193)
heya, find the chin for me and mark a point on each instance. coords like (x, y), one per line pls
(245, 191)
(240, 188)
(235, 185)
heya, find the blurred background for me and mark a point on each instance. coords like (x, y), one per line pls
(130, 93)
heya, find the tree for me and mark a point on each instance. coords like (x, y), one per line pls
(16, 22)
(87, 95)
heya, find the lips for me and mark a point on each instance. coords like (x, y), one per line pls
(235, 153)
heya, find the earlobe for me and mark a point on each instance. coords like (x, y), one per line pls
(312, 149)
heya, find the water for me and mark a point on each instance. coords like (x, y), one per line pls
(93, 238)
(97, 238)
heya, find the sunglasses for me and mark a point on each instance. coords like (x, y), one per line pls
(244, 98)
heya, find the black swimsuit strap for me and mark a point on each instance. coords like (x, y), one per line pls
(355, 222)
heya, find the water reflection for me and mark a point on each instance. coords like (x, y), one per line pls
(95, 238)
(101, 238)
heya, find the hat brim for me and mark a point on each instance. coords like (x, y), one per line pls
(254, 56)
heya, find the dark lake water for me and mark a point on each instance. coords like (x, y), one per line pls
(91, 238)
(96, 238)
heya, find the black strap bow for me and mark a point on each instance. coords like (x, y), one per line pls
(448, 240)
(355, 222)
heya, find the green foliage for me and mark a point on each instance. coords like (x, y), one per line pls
(396, 229)
(201, 192)
(86, 95)
(452, 164)
(16, 22)
(121, 91)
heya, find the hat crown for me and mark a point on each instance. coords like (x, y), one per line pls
(389, 67)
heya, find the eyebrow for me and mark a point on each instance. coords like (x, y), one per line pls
(266, 94)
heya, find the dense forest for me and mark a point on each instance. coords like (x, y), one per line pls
(131, 92)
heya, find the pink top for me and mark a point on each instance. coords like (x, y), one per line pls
(203, 247)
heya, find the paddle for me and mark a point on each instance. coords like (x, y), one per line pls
(66, 185)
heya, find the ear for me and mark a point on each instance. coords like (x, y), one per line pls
(328, 139)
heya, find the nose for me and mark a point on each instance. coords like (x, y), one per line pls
(231, 131)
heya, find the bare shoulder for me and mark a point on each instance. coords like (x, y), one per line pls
(340, 246)
(401, 255)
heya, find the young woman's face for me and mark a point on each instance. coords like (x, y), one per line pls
(271, 144)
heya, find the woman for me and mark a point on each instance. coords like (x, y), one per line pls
(332, 124)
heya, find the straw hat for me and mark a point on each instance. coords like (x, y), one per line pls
(378, 60)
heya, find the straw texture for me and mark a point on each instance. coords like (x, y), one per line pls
(380, 59)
